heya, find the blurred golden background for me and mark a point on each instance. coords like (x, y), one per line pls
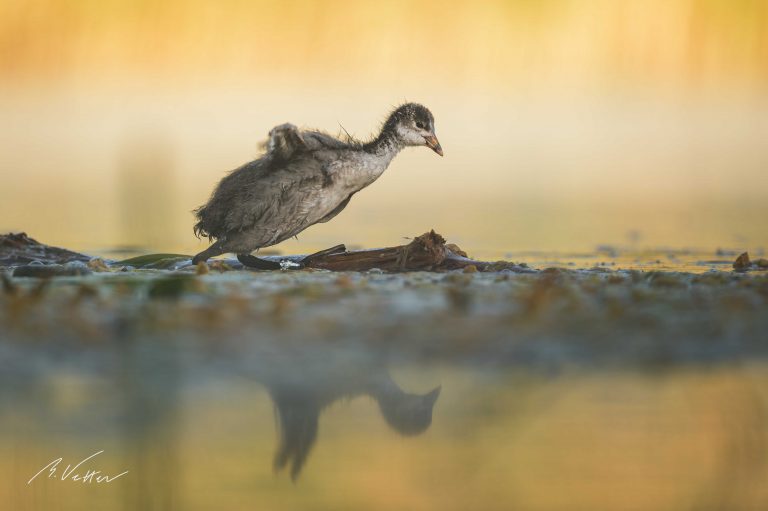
(566, 124)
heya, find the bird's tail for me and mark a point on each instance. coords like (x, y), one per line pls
(201, 229)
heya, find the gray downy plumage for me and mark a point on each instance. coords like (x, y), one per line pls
(303, 178)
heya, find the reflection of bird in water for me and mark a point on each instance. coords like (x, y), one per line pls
(298, 404)
(304, 178)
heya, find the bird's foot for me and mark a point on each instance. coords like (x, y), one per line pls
(258, 263)
(286, 264)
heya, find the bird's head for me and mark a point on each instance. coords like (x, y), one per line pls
(414, 125)
(409, 414)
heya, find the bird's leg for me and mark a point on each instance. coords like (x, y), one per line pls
(338, 249)
(257, 263)
(209, 252)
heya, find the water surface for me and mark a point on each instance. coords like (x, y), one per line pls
(592, 389)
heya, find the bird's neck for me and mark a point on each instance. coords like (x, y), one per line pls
(385, 146)
(384, 390)
(379, 153)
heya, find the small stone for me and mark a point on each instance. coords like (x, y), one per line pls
(470, 268)
(762, 263)
(345, 282)
(202, 268)
(97, 264)
(218, 265)
(742, 263)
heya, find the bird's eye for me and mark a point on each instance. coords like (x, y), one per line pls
(420, 125)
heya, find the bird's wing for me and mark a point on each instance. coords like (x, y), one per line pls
(285, 141)
(336, 211)
(276, 203)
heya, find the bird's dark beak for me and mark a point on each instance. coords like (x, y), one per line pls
(433, 144)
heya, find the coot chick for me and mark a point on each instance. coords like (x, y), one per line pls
(304, 177)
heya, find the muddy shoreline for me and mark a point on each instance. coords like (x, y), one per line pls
(516, 315)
